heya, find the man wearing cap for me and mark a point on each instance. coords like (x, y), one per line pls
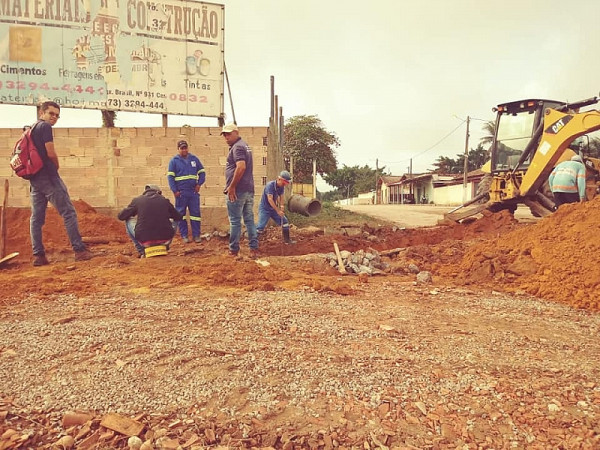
(239, 189)
(271, 206)
(567, 181)
(186, 174)
(148, 219)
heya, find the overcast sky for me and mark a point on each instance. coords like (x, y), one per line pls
(393, 78)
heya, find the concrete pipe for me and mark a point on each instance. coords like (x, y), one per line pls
(303, 205)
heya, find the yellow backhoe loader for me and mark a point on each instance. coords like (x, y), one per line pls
(532, 136)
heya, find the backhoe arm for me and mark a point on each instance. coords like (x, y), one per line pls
(559, 131)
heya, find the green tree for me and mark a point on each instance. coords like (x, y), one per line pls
(594, 148)
(351, 181)
(446, 165)
(306, 139)
(489, 128)
(477, 158)
(331, 196)
(343, 179)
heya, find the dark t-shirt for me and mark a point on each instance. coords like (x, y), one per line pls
(240, 151)
(42, 133)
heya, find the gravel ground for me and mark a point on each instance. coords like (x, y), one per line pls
(397, 365)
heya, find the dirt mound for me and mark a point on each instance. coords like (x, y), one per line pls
(557, 258)
(93, 227)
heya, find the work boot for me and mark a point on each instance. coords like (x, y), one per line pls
(286, 236)
(254, 253)
(83, 255)
(40, 260)
(186, 240)
(197, 239)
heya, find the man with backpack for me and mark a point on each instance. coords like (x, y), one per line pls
(47, 186)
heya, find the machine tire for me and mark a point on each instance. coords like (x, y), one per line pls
(484, 187)
(497, 207)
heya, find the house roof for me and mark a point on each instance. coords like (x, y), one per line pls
(390, 179)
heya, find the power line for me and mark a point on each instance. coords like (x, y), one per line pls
(428, 149)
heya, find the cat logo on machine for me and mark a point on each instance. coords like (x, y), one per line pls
(558, 125)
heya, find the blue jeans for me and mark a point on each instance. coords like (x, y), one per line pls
(130, 228)
(52, 189)
(241, 208)
(264, 214)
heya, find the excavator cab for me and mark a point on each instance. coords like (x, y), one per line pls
(516, 123)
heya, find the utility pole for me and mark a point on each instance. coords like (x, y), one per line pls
(314, 190)
(410, 190)
(376, 179)
(466, 165)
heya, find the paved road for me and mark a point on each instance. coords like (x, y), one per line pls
(414, 216)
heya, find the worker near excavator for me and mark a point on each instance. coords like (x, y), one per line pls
(271, 206)
(186, 174)
(148, 219)
(567, 181)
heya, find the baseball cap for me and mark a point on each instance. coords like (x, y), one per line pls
(229, 128)
(285, 176)
(182, 144)
(153, 187)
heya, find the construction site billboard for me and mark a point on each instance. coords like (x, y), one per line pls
(161, 56)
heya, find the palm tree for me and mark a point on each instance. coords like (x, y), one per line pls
(490, 129)
(108, 118)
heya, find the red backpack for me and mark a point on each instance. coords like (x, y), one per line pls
(26, 160)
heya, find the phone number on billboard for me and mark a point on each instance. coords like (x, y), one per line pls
(21, 85)
(142, 103)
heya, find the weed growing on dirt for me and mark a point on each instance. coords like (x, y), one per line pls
(331, 216)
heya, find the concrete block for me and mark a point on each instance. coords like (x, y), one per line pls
(154, 161)
(91, 132)
(214, 201)
(138, 161)
(161, 151)
(123, 142)
(60, 132)
(88, 142)
(143, 151)
(101, 162)
(70, 161)
(158, 131)
(124, 161)
(145, 132)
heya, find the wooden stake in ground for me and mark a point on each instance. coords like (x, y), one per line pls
(3, 222)
(3, 256)
(341, 267)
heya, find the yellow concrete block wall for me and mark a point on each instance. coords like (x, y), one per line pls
(108, 167)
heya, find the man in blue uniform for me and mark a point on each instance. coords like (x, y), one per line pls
(186, 174)
(271, 206)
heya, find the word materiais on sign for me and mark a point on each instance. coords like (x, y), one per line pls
(62, 10)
